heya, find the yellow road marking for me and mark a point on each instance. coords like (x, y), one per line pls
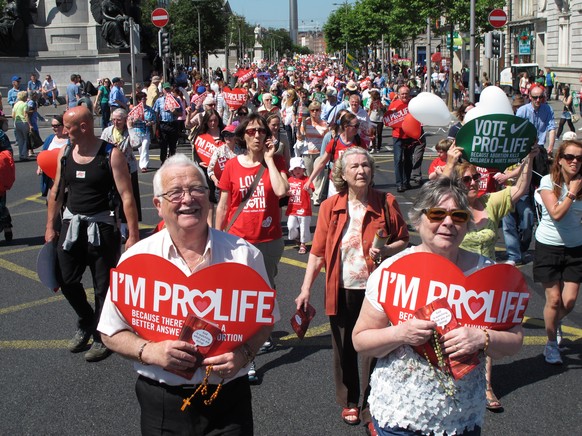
(20, 250)
(33, 345)
(10, 266)
(36, 303)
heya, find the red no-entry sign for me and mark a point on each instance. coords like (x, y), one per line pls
(497, 18)
(160, 17)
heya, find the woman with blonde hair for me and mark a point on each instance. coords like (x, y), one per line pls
(22, 125)
(288, 112)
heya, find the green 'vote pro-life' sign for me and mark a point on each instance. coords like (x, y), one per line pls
(496, 141)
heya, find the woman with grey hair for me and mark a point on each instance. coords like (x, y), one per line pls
(118, 134)
(346, 226)
(406, 396)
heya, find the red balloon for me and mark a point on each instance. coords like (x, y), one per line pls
(411, 127)
(47, 161)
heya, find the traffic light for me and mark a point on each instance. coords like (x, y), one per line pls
(165, 43)
(496, 44)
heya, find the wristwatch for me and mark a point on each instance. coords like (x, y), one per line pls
(571, 196)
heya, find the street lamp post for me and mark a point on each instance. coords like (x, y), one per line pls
(345, 5)
(199, 38)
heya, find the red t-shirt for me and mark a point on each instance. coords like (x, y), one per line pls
(299, 199)
(341, 147)
(260, 220)
(438, 162)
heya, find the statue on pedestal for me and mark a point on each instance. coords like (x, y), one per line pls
(258, 34)
(16, 17)
(113, 15)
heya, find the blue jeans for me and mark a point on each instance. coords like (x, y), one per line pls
(403, 153)
(518, 229)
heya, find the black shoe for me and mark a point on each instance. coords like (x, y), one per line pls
(97, 352)
(267, 346)
(8, 234)
(79, 341)
(407, 186)
(400, 188)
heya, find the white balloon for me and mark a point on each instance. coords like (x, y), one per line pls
(430, 110)
(494, 101)
(476, 112)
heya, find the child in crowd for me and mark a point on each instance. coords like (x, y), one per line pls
(436, 166)
(299, 207)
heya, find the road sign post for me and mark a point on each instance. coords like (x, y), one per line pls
(497, 18)
(160, 17)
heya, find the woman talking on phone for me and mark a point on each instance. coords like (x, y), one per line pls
(558, 260)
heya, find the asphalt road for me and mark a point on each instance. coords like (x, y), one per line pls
(46, 390)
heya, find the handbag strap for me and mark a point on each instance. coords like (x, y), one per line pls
(246, 197)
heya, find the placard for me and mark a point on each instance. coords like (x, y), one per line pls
(494, 297)
(496, 141)
(155, 297)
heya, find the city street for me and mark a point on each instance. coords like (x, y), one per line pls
(46, 390)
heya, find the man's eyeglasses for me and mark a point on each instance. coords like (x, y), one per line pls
(177, 195)
(537, 97)
(438, 214)
(474, 178)
(570, 157)
(253, 132)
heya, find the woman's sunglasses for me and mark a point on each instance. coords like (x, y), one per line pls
(438, 214)
(474, 178)
(571, 157)
(253, 132)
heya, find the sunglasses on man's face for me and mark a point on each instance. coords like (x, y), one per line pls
(537, 97)
(438, 214)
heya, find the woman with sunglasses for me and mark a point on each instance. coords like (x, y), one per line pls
(487, 211)
(259, 220)
(346, 226)
(57, 139)
(348, 137)
(558, 260)
(208, 138)
(405, 397)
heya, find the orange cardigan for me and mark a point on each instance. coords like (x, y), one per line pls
(331, 221)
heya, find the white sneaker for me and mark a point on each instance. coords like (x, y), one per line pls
(252, 374)
(552, 353)
(509, 262)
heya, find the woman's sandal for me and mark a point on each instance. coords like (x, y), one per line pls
(302, 249)
(492, 402)
(351, 415)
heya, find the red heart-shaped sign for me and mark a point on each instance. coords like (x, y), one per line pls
(234, 98)
(155, 297)
(494, 297)
(395, 115)
(205, 146)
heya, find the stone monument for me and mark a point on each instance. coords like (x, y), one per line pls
(90, 38)
(258, 48)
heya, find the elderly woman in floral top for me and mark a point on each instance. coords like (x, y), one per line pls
(407, 395)
(346, 226)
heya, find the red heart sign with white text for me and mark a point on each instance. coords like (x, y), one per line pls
(494, 297)
(234, 98)
(155, 297)
(205, 146)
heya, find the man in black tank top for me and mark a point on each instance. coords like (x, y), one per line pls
(88, 234)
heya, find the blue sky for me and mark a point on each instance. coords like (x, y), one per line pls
(275, 13)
